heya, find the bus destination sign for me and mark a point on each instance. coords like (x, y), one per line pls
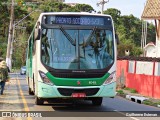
(77, 20)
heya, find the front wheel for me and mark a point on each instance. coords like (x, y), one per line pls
(38, 101)
(97, 101)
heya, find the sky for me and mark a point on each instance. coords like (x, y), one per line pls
(126, 7)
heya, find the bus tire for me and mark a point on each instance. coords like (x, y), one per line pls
(38, 101)
(97, 101)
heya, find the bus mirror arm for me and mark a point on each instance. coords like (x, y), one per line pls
(117, 39)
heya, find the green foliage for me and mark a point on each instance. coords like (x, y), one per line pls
(4, 23)
(151, 35)
(129, 29)
(3, 46)
(114, 13)
(20, 46)
(62, 7)
(83, 8)
(131, 90)
(126, 45)
(53, 7)
(151, 103)
(126, 88)
(120, 92)
(137, 51)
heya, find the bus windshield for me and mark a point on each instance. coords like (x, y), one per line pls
(77, 48)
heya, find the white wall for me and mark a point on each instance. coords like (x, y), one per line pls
(158, 48)
(131, 66)
(151, 51)
(144, 68)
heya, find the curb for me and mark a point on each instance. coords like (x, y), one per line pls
(136, 98)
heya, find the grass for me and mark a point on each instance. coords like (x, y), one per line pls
(151, 103)
(131, 90)
(126, 88)
(120, 92)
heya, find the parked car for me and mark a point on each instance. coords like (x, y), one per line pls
(23, 70)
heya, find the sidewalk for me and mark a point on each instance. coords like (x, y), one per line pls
(10, 100)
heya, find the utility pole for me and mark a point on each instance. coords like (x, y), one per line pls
(102, 2)
(8, 59)
(11, 35)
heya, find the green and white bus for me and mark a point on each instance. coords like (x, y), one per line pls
(72, 55)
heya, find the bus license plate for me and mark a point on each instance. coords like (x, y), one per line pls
(77, 95)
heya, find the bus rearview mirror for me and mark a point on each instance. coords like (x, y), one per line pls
(117, 39)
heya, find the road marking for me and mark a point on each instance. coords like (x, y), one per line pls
(125, 115)
(134, 118)
(23, 99)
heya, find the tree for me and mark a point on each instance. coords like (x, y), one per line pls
(62, 7)
(116, 14)
(20, 46)
(129, 30)
(4, 23)
(83, 8)
(151, 34)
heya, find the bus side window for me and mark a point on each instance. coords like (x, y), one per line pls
(34, 44)
(29, 48)
(36, 36)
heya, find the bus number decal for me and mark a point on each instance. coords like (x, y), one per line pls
(92, 82)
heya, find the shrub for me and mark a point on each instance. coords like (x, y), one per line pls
(133, 91)
(120, 92)
(126, 88)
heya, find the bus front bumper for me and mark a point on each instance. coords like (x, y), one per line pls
(48, 91)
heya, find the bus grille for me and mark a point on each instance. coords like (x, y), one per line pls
(69, 91)
(77, 75)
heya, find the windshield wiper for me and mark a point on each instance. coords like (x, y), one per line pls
(90, 36)
(68, 36)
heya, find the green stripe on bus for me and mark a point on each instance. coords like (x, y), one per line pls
(77, 81)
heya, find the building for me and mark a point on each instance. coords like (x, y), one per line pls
(152, 12)
(150, 50)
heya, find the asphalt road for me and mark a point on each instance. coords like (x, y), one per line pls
(117, 108)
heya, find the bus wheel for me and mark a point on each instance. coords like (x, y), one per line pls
(97, 101)
(30, 91)
(38, 101)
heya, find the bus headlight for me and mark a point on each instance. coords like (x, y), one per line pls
(110, 79)
(45, 78)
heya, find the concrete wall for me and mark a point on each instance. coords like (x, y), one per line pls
(150, 51)
(142, 76)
